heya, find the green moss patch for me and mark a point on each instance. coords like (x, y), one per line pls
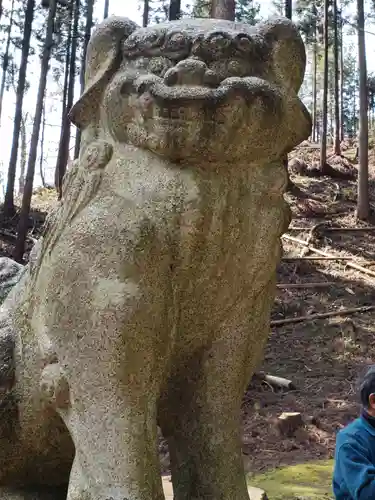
(308, 481)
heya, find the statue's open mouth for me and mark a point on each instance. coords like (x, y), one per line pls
(248, 88)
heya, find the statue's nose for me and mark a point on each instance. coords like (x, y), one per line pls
(187, 72)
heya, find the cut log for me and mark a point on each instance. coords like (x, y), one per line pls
(278, 382)
(288, 423)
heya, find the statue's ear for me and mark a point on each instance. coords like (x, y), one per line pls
(102, 59)
(287, 51)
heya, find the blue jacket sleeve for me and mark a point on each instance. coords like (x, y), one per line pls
(357, 470)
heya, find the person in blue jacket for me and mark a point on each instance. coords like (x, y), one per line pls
(354, 471)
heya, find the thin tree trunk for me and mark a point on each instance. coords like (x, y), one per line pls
(323, 143)
(223, 9)
(341, 79)
(331, 115)
(337, 148)
(41, 159)
(67, 63)
(146, 13)
(363, 207)
(65, 91)
(89, 14)
(21, 180)
(315, 64)
(174, 10)
(63, 153)
(26, 199)
(288, 9)
(106, 8)
(6, 59)
(354, 117)
(9, 193)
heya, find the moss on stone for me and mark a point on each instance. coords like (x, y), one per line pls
(308, 481)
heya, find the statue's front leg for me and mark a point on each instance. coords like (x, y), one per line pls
(107, 326)
(113, 370)
(202, 416)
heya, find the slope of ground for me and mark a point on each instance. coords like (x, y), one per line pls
(323, 357)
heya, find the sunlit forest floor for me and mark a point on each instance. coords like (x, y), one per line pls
(322, 357)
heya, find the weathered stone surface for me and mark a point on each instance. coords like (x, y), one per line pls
(10, 273)
(149, 297)
(254, 493)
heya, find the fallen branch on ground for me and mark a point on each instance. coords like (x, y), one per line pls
(11, 238)
(306, 285)
(310, 238)
(338, 229)
(292, 259)
(342, 312)
(351, 264)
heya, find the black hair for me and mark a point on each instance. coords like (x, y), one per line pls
(367, 386)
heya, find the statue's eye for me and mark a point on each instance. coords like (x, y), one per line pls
(178, 42)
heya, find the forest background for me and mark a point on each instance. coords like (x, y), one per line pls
(51, 123)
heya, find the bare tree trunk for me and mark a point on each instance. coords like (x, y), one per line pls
(9, 193)
(354, 117)
(341, 79)
(174, 10)
(337, 147)
(331, 115)
(88, 26)
(67, 63)
(223, 9)
(41, 159)
(63, 154)
(21, 180)
(288, 9)
(146, 13)
(26, 199)
(363, 207)
(6, 59)
(323, 143)
(106, 8)
(314, 92)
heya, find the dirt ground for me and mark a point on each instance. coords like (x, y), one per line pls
(323, 357)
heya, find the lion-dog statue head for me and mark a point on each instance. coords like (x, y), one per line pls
(198, 90)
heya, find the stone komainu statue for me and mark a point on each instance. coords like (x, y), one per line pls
(148, 300)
